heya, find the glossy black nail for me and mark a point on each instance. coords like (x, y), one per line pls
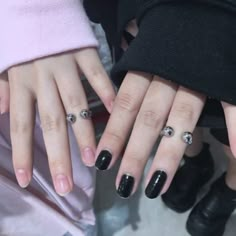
(126, 186)
(103, 161)
(156, 184)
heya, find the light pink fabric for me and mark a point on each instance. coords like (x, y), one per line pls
(31, 29)
(38, 210)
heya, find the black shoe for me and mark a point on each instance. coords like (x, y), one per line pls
(188, 180)
(210, 215)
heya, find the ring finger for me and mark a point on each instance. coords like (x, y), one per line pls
(55, 134)
(183, 117)
(74, 100)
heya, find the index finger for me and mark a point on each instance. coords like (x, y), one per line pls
(90, 64)
(126, 107)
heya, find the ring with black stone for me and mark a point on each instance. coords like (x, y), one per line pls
(167, 131)
(71, 118)
(86, 114)
(187, 137)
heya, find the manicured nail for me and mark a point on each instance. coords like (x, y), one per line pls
(89, 156)
(156, 184)
(126, 186)
(22, 178)
(103, 160)
(62, 185)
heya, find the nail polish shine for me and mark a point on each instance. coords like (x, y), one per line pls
(103, 161)
(126, 186)
(156, 184)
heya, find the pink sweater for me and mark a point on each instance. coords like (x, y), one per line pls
(31, 29)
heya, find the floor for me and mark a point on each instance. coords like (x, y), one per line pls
(140, 216)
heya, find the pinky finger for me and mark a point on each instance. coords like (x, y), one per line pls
(230, 117)
(90, 64)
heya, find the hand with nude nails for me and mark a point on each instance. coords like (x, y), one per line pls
(54, 83)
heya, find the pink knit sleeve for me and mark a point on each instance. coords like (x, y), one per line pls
(31, 29)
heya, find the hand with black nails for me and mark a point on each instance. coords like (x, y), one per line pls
(54, 82)
(144, 105)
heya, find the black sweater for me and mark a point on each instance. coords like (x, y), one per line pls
(190, 42)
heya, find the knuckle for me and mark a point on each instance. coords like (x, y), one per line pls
(183, 111)
(50, 123)
(151, 119)
(57, 165)
(112, 135)
(95, 72)
(20, 126)
(126, 102)
(74, 102)
(136, 160)
(176, 159)
(174, 154)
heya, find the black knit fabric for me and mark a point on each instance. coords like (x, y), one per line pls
(191, 45)
(104, 12)
(190, 42)
(144, 5)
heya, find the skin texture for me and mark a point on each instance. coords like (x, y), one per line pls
(143, 106)
(54, 83)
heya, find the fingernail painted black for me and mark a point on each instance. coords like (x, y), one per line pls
(126, 186)
(156, 184)
(103, 160)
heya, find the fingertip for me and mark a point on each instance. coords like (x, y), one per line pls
(125, 186)
(23, 177)
(109, 106)
(88, 157)
(63, 185)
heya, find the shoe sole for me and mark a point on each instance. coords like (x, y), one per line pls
(182, 209)
(195, 231)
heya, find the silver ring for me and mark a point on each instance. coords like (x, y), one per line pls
(187, 137)
(71, 118)
(86, 114)
(167, 131)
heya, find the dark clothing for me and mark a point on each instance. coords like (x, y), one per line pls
(190, 42)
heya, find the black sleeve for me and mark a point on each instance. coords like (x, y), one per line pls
(104, 12)
(191, 43)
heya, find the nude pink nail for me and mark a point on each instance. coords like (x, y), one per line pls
(89, 156)
(62, 185)
(22, 178)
